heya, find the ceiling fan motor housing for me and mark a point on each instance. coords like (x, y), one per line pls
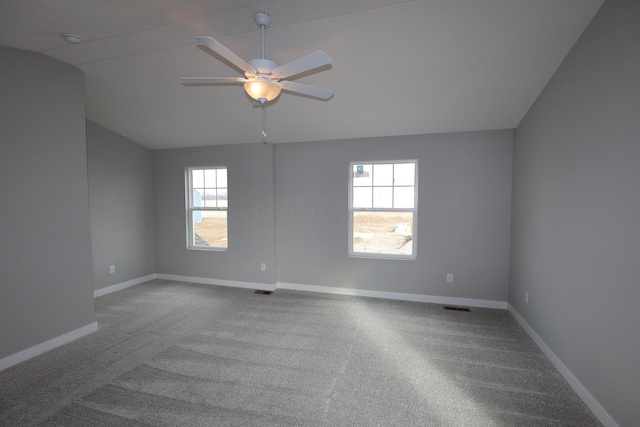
(264, 66)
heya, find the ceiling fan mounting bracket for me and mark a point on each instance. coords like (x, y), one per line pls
(262, 19)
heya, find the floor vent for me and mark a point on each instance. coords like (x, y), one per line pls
(450, 307)
(263, 292)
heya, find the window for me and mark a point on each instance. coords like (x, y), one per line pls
(383, 200)
(207, 203)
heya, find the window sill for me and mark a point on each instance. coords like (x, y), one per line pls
(383, 256)
(207, 249)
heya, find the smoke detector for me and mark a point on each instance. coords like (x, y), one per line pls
(71, 38)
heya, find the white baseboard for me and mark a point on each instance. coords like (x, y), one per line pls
(38, 349)
(123, 285)
(577, 386)
(470, 302)
(218, 282)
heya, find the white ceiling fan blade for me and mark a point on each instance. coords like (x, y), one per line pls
(212, 80)
(218, 48)
(303, 89)
(302, 64)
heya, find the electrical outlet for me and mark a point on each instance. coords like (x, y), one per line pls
(526, 297)
(449, 277)
(112, 269)
(263, 267)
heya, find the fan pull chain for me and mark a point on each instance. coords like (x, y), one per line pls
(264, 125)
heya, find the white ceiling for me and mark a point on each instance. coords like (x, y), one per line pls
(399, 67)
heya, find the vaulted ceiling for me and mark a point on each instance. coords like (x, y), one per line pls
(399, 67)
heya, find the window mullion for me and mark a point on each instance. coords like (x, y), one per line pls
(393, 184)
(383, 209)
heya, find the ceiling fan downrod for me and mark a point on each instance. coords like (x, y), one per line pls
(263, 19)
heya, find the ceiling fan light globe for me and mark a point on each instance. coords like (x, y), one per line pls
(262, 90)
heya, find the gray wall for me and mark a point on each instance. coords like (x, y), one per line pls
(463, 215)
(463, 223)
(45, 244)
(121, 201)
(250, 224)
(576, 211)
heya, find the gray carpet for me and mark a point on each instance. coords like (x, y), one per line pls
(177, 354)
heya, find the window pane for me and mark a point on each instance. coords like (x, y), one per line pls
(382, 197)
(383, 174)
(222, 178)
(223, 200)
(362, 175)
(210, 178)
(362, 197)
(403, 197)
(197, 197)
(210, 229)
(404, 173)
(209, 198)
(388, 233)
(197, 178)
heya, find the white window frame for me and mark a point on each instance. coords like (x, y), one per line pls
(352, 210)
(190, 209)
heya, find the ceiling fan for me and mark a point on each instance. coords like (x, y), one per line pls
(264, 79)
